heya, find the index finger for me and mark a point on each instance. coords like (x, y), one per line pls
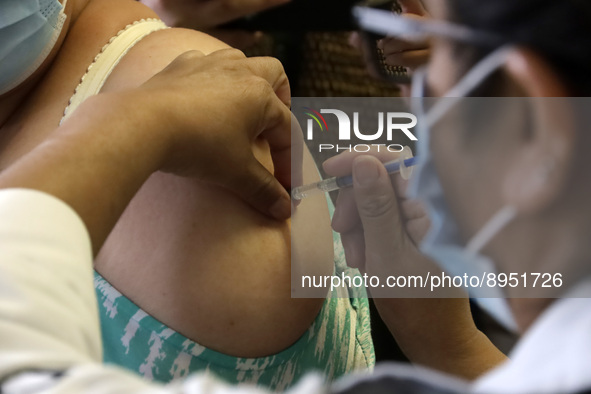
(297, 153)
(271, 69)
(276, 129)
(392, 45)
(278, 120)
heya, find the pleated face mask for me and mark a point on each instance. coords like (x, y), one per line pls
(443, 242)
(29, 30)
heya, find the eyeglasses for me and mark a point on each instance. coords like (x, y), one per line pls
(379, 19)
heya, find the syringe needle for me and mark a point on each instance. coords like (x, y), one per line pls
(331, 184)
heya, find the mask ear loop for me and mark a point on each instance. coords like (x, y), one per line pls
(418, 108)
(492, 228)
(478, 73)
(501, 219)
(468, 83)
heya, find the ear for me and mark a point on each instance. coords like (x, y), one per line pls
(534, 75)
(543, 160)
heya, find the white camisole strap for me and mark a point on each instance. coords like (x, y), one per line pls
(108, 58)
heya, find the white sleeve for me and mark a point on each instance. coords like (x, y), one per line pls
(48, 310)
(49, 329)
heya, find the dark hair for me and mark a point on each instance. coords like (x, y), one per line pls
(558, 30)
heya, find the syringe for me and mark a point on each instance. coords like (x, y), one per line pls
(401, 165)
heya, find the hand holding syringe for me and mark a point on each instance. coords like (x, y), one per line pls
(402, 165)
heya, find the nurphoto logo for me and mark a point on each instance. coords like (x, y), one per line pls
(389, 123)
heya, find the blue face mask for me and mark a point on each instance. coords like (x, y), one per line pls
(29, 30)
(443, 242)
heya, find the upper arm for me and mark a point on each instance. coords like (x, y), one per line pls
(211, 243)
(154, 53)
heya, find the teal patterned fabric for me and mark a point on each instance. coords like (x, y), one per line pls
(337, 343)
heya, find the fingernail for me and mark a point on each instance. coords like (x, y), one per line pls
(281, 209)
(365, 171)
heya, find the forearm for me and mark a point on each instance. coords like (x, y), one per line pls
(440, 334)
(437, 332)
(95, 162)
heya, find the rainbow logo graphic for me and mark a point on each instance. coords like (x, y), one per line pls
(317, 117)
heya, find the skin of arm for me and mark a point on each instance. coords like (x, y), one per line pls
(73, 165)
(115, 131)
(440, 333)
(78, 160)
(216, 257)
(184, 247)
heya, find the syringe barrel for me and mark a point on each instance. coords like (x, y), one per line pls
(402, 165)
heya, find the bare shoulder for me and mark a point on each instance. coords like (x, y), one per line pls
(216, 257)
(155, 52)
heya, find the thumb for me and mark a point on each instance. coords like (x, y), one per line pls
(378, 209)
(259, 188)
(412, 7)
